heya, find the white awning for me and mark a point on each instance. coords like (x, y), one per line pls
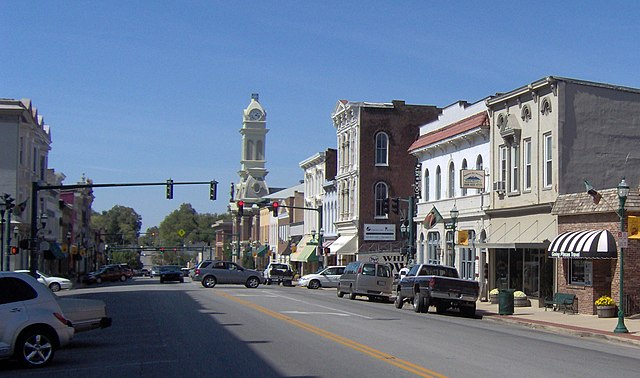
(344, 245)
(591, 244)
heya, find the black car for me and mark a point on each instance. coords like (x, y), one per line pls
(170, 273)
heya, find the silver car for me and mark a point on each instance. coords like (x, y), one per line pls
(52, 282)
(327, 277)
(213, 272)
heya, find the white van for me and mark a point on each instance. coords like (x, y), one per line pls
(370, 279)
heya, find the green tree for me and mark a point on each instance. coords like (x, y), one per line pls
(126, 257)
(151, 237)
(120, 225)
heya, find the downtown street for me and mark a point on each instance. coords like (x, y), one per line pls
(184, 329)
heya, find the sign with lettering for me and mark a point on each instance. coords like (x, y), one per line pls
(417, 188)
(472, 179)
(379, 232)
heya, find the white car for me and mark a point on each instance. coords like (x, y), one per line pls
(32, 324)
(327, 277)
(53, 283)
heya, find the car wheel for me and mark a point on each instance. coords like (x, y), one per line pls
(98, 280)
(352, 295)
(418, 303)
(315, 284)
(181, 280)
(123, 278)
(35, 348)
(441, 309)
(252, 282)
(161, 280)
(468, 311)
(54, 286)
(209, 282)
(399, 302)
(340, 294)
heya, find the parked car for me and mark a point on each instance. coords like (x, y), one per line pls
(370, 279)
(144, 272)
(185, 272)
(437, 285)
(85, 314)
(107, 273)
(155, 270)
(327, 277)
(32, 325)
(279, 273)
(52, 282)
(212, 272)
(170, 273)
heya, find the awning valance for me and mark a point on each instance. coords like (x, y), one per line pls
(308, 254)
(54, 252)
(590, 244)
(261, 251)
(344, 245)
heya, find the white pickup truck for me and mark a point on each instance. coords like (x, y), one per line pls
(279, 273)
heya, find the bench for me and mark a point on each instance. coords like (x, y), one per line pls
(562, 301)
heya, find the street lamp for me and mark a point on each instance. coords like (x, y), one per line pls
(623, 192)
(454, 219)
(325, 258)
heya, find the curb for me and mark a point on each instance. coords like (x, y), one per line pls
(628, 339)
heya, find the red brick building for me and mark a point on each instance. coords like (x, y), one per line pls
(590, 275)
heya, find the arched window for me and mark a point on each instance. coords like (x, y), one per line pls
(452, 180)
(438, 183)
(479, 166)
(464, 166)
(381, 195)
(259, 150)
(382, 149)
(425, 193)
(249, 152)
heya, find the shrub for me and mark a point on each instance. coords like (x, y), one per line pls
(604, 301)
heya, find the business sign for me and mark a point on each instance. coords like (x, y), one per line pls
(417, 188)
(472, 179)
(379, 232)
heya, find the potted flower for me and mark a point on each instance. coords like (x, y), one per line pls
(605, 307)
(520, 299)
(493, 296)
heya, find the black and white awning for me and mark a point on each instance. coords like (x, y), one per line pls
(590, 244)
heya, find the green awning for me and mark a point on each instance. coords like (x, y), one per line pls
(308, 254)
(54, 252)
(262, 250)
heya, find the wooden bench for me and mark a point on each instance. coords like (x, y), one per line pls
(562, 301)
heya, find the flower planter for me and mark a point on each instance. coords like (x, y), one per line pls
(606, 311)
(521, 302)
(493, 298)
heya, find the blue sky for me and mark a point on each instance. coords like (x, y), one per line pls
(143, 91)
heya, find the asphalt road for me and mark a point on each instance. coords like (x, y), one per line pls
(178, 330)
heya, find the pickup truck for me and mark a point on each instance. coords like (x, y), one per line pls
(279, 273)
(437, 285)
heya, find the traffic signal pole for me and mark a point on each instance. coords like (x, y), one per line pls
(35, 188)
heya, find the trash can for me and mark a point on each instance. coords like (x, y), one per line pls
(505, 301)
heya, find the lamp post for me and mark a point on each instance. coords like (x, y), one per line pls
(454, 219)
(325, 258)
(623, 192)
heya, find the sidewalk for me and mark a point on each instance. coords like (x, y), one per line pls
(556, 321)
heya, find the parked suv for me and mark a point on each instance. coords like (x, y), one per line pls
(107, 273)
(371, 279)
(327, 277)
(32, 325)
(212, 272)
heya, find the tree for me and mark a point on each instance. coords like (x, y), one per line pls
(120, 225)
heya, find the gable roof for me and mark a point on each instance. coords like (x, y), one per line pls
(479, 120)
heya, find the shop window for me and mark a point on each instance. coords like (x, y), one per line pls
(580, 272)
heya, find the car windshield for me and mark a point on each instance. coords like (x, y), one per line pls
(279, 266)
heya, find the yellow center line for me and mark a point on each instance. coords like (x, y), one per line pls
(388, 358)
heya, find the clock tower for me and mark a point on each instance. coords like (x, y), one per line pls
(252, 186)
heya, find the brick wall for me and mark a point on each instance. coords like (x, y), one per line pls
(606, 273)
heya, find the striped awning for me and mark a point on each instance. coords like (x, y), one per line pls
(589, 244)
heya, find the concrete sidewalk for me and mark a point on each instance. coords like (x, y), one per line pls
(556, 321)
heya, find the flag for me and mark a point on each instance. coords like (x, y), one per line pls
(17, 211)
(432, 218)
(592, 192)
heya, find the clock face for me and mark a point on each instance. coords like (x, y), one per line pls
(256, 187)
(255, 115)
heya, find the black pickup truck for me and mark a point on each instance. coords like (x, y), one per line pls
(437, 285)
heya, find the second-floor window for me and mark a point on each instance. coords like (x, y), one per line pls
(548, 160)
(382, 149)
(464, 166)
(503, 164)
(425, 193)
(438, 183)
(452, 180)
(381, 195)
(514, 182)
(527, 165)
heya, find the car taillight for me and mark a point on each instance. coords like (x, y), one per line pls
(197, 271)
(62, 319)
(432, 282)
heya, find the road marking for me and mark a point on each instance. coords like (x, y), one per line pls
(325, 307)
(313, 313)
(388, 358)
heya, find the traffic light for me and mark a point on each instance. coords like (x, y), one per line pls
(14, 250)
(169, 189)
(213, 190)
(395, 206)
(385, 206)
(274, 208)
(240, 205)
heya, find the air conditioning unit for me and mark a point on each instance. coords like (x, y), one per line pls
(499, 186)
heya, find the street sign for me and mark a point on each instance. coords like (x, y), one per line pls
(448, 225)
(623, 239)
(181, 232)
